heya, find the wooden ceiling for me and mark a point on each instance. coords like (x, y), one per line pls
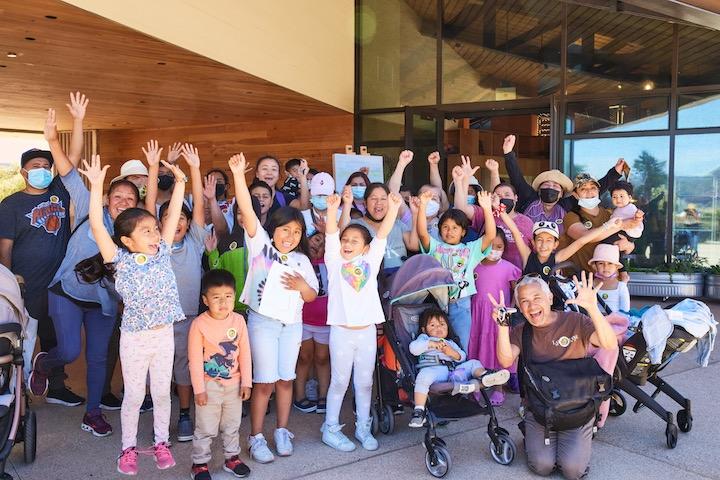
(133, 80)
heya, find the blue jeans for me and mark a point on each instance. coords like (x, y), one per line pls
(460, 320)
(68, 317)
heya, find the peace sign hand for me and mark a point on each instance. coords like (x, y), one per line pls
(501, 313)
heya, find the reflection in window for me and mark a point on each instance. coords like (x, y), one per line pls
(382, 127)
(696, 213)
(626, 115)
(699, 110)
(648, 160)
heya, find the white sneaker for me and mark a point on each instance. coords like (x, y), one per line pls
(283, 443)
(363, 432)
(259, 450)
(333, 436)
(465, 388)
(495, 378)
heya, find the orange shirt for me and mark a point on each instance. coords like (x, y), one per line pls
(219, 350)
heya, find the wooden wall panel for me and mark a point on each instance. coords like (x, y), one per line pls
(314, 139)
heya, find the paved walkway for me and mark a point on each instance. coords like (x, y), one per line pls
(630, 446)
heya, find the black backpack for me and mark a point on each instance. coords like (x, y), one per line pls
(562, 394)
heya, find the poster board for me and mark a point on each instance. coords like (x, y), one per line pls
(345, 165)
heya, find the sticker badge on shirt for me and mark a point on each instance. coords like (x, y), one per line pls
(356, 274)
(233, 246)
(546, 270)
(588, 224)
(48, 215)
(141, 259)
(231, 333)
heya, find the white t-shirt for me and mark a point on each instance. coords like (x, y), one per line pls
(261, 255)
(353, 298)
(618, 299)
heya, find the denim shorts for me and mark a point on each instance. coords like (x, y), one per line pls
(274, 347)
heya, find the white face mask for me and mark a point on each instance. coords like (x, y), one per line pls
(589, 203)
(495, 255)
(432, 208)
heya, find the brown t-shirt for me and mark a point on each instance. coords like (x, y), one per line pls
(566, 339)
(583, 255)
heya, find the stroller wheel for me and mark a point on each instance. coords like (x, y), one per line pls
(375, 420)
(671, 435)
(684, 421)
(387, 420)
(618, 404)
(504, 452)
(29, 436)
(442, 464)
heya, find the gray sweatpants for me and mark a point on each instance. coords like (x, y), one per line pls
(569, 450)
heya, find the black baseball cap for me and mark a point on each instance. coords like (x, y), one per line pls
(36, 153)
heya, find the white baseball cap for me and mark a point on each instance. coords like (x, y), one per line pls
(322, 184)
(547, 227)
(131, 167)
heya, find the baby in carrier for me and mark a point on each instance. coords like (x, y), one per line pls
(439, 360)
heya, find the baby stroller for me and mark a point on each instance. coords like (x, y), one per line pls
(634, 368)
(17, 421)
(421, 283)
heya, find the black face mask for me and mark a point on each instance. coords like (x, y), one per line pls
(165, 182)
(220, 190)
(549, 195)
(509, 204)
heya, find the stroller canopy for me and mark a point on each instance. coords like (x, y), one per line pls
(420, 275)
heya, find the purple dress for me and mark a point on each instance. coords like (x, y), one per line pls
(493, 279)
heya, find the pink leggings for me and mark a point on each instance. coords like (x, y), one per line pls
(140, 352)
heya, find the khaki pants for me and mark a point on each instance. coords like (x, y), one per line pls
(224, 412)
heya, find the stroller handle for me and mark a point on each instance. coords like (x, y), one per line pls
(566, 265)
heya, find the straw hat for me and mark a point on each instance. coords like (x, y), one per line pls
(605, 252)
(553, 176)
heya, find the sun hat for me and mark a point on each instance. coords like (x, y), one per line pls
(604, 252)
(131, 167)
(583, 178)
(553, 176)
(322, 184)
(547, 227)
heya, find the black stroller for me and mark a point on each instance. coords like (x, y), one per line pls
(420, 283)
(634, 368)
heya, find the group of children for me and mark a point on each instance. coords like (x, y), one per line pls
(291, 291)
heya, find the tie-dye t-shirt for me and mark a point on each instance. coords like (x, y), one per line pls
(261, 255)
(461, 260)
(353, 298)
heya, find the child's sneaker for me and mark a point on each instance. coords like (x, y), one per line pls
(283, 442)
(64, 396)
(199, 471)
(419, 418)
(333, 436)
(127, 461)
(38, 379)
(147, 404)
(95, 423)
(321, 406)
(492, 379)
(110, 402)
(185, 428)
(305, 405)
(236, 466)
(163, 457)
(259, 450)
(465, 388)
(363, 433)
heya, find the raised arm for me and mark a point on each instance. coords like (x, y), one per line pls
(494, 167)
(434, 164)
(506, 352)
(303, 200)
(524, 189)
(347, 201)
(152, 155)
(413, 242)
(613, 175)
(77, 107)
(175, 206)
(395, 180)
(62, 163)
(394, 201)
(517, 236)
(485, 202)
(461, 177)
(610, 227)
(242, 194)
(333, 203)
(95, 174)
(192, 158)
(422, 231)
(216, 215)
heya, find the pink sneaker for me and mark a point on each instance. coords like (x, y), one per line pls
(163, 457)
(127, 461)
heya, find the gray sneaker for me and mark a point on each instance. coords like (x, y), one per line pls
(283, 442)
(185, 428)
(363, 432)
(333, 436)
(259, 450)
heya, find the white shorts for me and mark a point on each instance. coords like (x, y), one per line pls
(319, 334)
(274, 347)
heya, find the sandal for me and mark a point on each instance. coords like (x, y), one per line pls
(305, 405)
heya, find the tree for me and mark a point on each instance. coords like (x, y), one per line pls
(649, 175)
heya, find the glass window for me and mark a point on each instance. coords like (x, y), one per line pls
(696, 212)
(648, 160)
(500, 50)
(608, 52)
(397, 53)
(699, 110)
(699, 56)
(382, 127)
(626, 115)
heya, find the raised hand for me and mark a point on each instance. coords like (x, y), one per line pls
(152, 153)
(414, 205)
(406, 157)
(174, 152)
(191, 156)
(94, 172)
(586, 296)
(508, 144)
(303, 170)
(394, 202)
(211, 241)
(434, 158)
(492, 165)
(484, 200)
(209, 188)
(333, 202)
(175, 170)
(78, 105)
(425, 197)
(458, 175)
(347, 196)
(467, 166)
(365, 170)
(50, 129)
(620, 165)
(238, 164)
(500, 311)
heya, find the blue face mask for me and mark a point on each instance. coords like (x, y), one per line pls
(319, 202)
(358, 191)
(39, 178)
(471, 199)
